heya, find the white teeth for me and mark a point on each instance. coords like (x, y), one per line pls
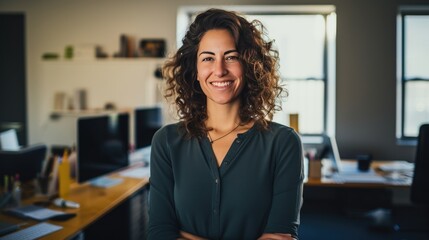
(221, 84)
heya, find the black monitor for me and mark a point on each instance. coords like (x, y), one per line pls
(102, 145)
(323, 147)
(147, 121)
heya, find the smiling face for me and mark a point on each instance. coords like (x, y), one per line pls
(219, 68)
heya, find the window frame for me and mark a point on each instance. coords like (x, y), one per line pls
(404, 11)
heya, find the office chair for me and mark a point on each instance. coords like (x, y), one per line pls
(26, 162)
(420, 184)
(413, 218)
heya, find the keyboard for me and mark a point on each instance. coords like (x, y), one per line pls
(33, 232)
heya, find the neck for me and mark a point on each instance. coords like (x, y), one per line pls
(222, 117)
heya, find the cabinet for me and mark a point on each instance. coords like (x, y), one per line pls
(129, 220)
(127, 83)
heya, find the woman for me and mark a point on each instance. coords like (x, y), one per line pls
(225, 171)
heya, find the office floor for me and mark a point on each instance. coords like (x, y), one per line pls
(326, 221)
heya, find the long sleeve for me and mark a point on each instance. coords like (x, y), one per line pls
(288, 185)
(162, 221)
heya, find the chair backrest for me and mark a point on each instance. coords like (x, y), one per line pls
(27, 162)
(420, 184)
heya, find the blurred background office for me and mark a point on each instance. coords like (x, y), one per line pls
(365, 112)
(351, 71)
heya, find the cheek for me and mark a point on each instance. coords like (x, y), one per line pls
(202, 75)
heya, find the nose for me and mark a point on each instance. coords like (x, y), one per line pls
(220, 69)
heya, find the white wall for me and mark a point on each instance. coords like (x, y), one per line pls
(52, 25)
(126, 83)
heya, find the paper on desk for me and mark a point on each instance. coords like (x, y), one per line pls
(359, 178)
(350, 173)
(141, 172)
(34, 212)
(399, 166)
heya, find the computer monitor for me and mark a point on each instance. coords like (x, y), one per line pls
(102, 145)
(323, 147)
(147, 121)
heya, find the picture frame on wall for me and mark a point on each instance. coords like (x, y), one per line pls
(152, 48)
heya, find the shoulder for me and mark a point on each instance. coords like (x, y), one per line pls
(282, 131)
(171, 130)
(287, 145)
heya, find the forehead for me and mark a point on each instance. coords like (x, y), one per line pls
(216, 39)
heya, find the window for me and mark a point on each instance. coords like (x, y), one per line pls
(413, 72)
(305, 39)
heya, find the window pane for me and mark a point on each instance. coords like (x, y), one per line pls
(416, 106)
(307, 99)
(416, 47)
(300, 41)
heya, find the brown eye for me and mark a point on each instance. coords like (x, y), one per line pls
(207, 59)
(231, 59)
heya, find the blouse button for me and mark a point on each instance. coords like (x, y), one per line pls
(217, 181)
(238, 141)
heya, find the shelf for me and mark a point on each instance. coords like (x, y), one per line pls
(103, 60)
(56, 114)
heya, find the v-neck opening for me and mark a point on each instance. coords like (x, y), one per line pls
(236, 145)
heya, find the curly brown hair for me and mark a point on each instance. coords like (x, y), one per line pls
(258, 58)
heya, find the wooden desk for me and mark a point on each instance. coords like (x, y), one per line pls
(325, 181)
(94, 203)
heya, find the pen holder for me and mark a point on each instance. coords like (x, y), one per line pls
(364, 162)
(42, 185)
(315, 169)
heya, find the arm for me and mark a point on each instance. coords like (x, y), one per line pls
(188, 236)
(162, 217)
(287, 187)
(276, 236)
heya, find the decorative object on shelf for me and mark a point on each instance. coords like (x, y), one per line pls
(68, 52)
(80, 99)
(100, 53)
(152, 47)
(60, 101)
(126, 48)
(50, 56)
(110, 106)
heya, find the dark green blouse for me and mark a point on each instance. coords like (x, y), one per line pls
(256, 190)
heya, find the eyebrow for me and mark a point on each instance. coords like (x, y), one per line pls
(212, 53)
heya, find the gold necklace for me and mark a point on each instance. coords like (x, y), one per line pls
(214, 140)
